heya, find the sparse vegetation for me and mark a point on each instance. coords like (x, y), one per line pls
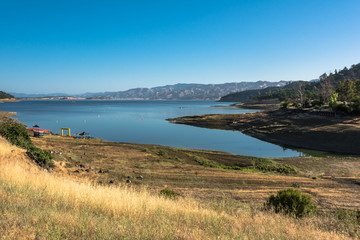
(169, 194)
(268, 165)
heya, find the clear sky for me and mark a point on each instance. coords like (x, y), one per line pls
(91, 46)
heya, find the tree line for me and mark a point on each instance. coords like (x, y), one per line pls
(5, 95)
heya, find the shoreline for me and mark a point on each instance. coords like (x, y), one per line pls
(339, 134)
(4, 100)
(206, 173)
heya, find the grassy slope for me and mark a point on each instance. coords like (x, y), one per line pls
(36, 204)
(179, 170)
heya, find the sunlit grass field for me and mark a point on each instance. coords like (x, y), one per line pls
(35, 204)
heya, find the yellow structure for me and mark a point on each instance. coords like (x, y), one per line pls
(66, 129)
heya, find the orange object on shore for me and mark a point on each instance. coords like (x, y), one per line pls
(39, 130)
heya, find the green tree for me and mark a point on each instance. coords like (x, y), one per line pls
(333, 99)
(346, 90)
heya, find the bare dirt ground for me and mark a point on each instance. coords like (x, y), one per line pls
(300, 129)
(8, 100)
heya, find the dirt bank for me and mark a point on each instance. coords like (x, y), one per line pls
(293, 128)
(8, 100)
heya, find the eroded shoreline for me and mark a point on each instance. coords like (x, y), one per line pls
(293, 128)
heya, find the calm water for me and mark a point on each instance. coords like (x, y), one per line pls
(142, 122)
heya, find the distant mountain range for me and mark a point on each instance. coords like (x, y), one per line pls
(187, 91)
(178, 91)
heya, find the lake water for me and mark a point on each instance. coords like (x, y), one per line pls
(143, 122)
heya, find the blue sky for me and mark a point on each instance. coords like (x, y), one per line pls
(93, 46)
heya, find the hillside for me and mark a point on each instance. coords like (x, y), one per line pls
(247, 95)
(4, 95)
(187, 91)
(288, 91)
(39, 205)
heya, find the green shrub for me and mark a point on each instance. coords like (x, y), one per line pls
(285, 104)
(163, 153)
(355, 106)
(348, 216)
(169, 194)
(268, 165)
(42, 157)
(17, 134)
(307, 103)
(340, 107)
(317, 103)
(296, 104)
(291, 202)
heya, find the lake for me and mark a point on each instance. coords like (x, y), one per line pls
(143, 122)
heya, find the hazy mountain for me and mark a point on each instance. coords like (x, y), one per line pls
(30, 95)
(187, 91)
(180, 91)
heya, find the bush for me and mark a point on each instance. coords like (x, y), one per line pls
(291, 202)
(296, 104)
(163, 153)
(318, 103)
(355, 106)
(268, 165)
(169, 194)
(41, 157)
(307, 103)
(16, 134)
(285, 104)
(340, 107)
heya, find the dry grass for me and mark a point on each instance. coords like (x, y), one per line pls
(35, 204)
(177, 170)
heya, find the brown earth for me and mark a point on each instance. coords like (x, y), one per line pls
(267, 104)
(8, 100)
(157, 167)
(5, 116)
(292, 128)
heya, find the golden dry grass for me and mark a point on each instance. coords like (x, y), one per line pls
(35, 204)
(178, 171)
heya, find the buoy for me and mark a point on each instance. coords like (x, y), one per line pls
(142, 119)
(57, 121)
(84, 121)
